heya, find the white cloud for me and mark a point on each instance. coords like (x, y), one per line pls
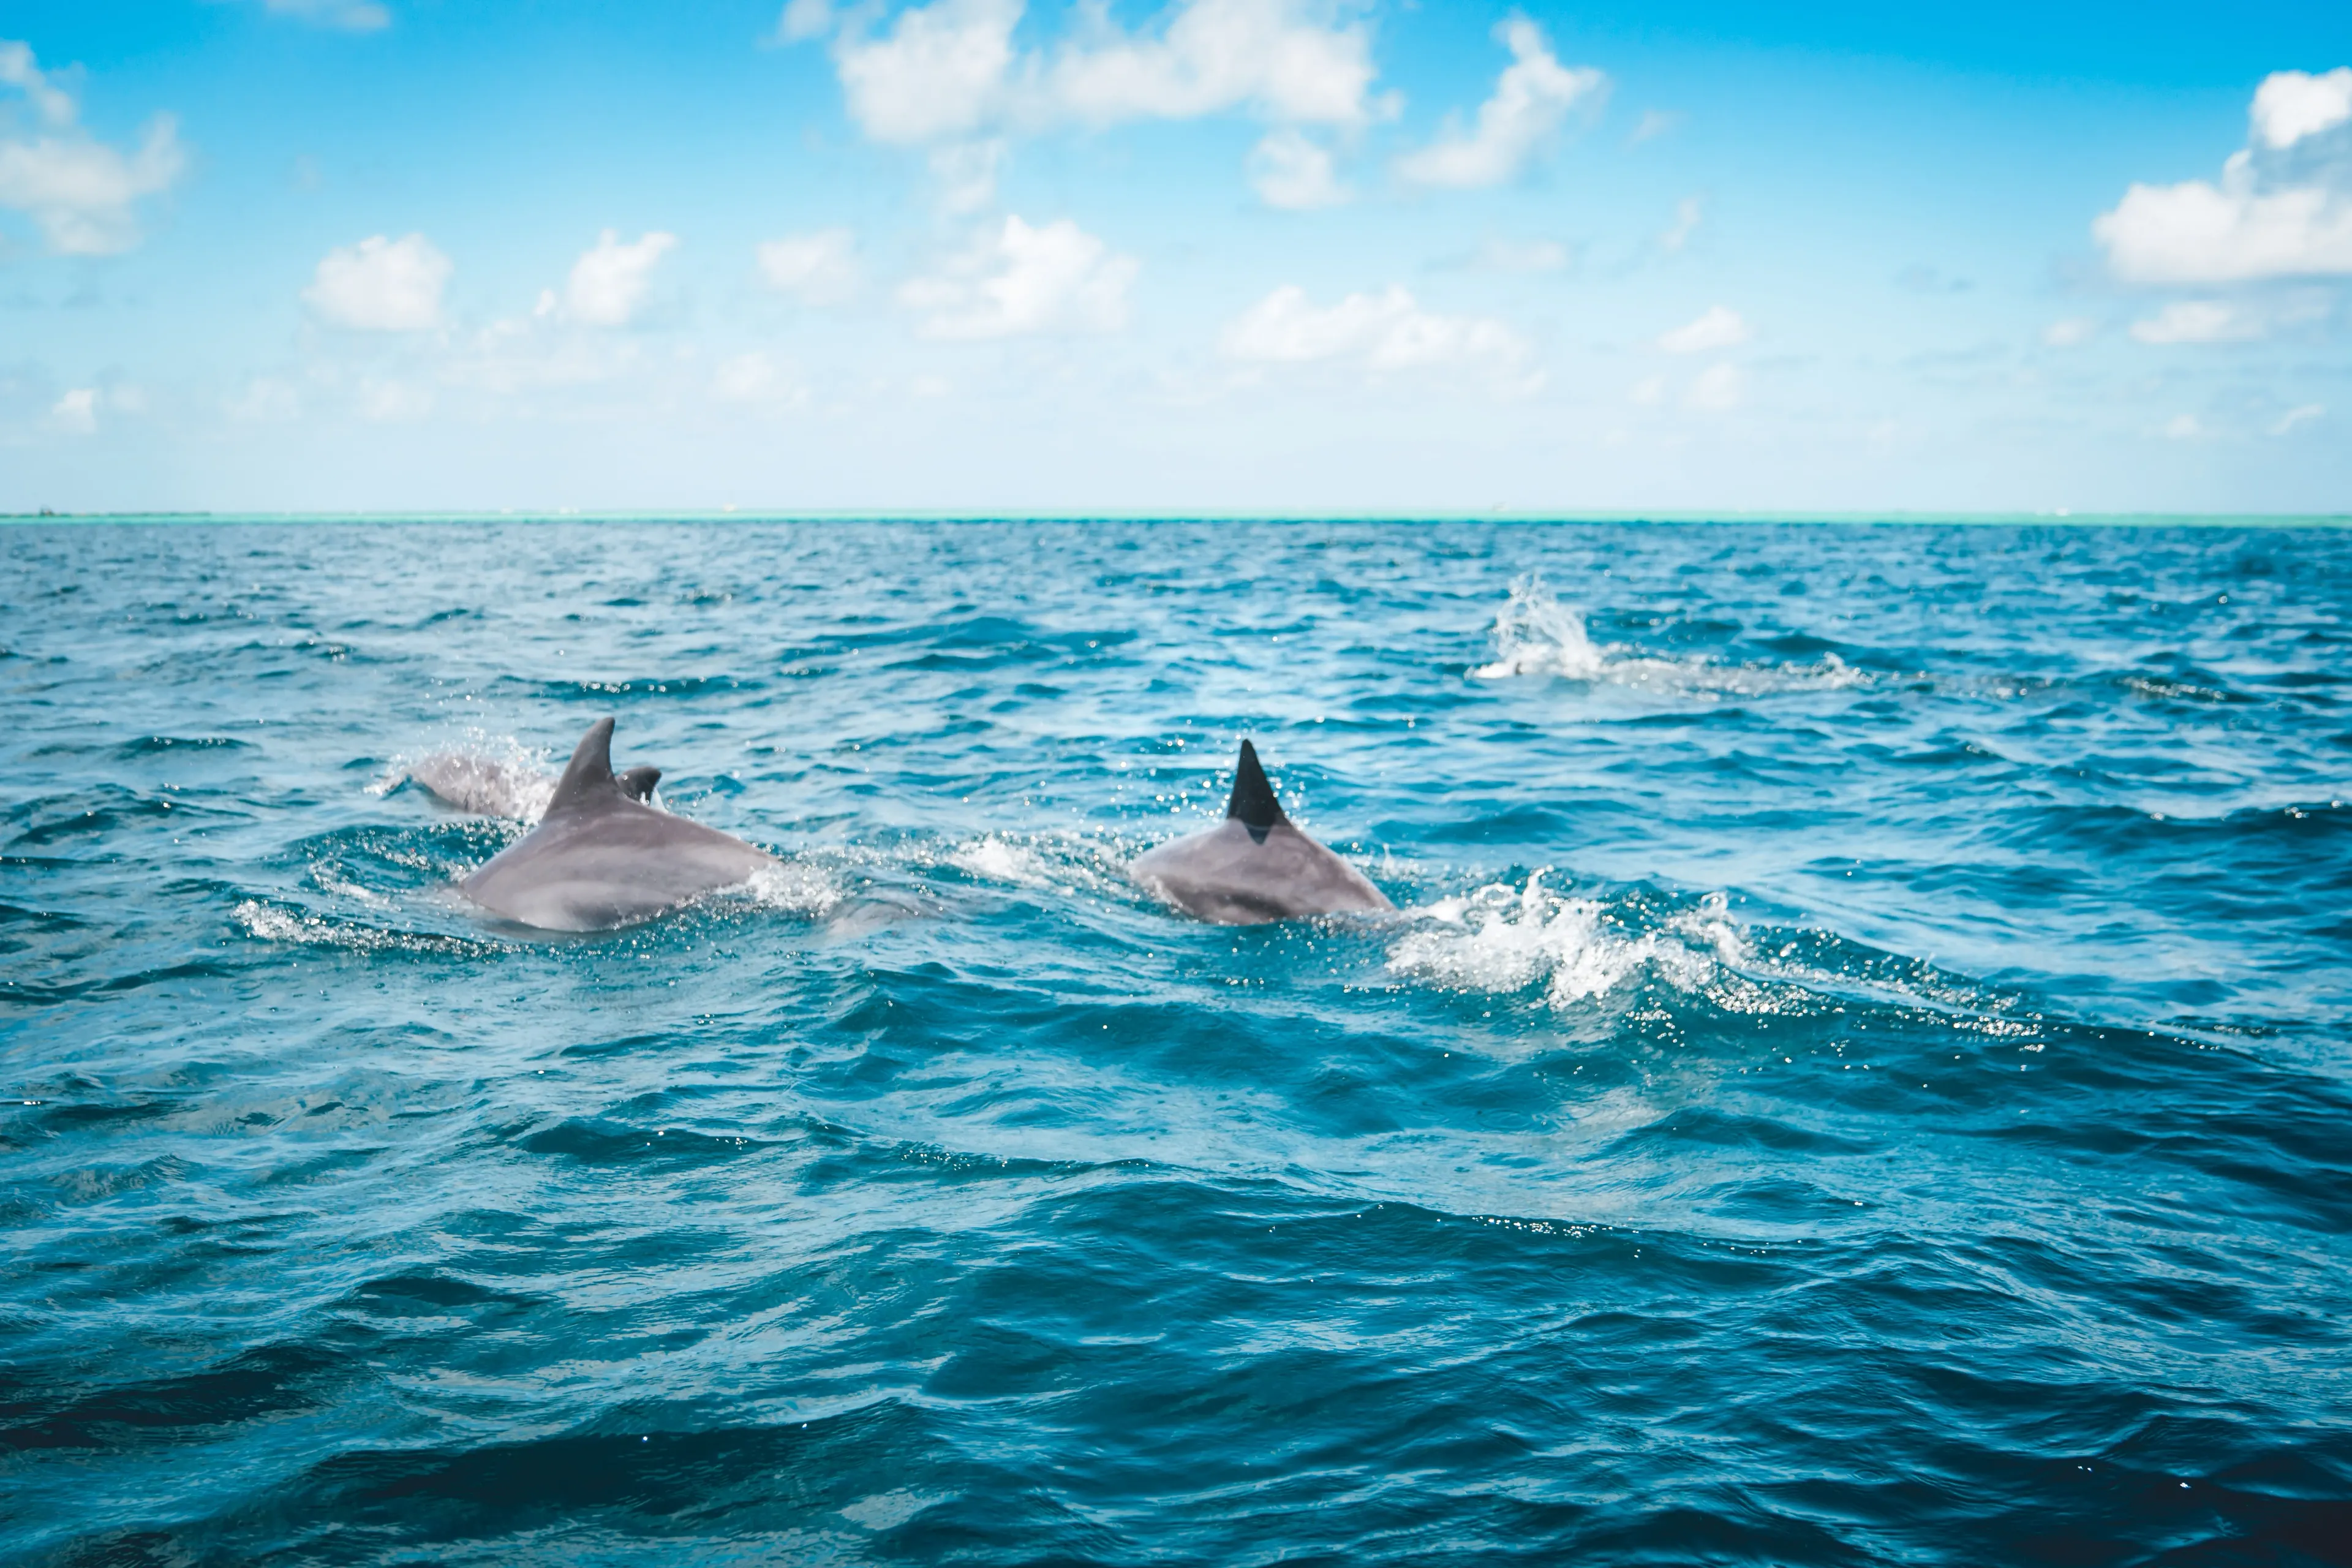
(1649, 392)
(2072, 331)
(2277, 212)
(1531, 98)
(1289, 170)
(78, 191)
(939, 72)
(819, 268)
(1715, 389)
(2183, 427)
(2196, 322)
(76, 412)
(2296, 416)
(351, 16)
(1217, 55)
(381, 285)
(1020, 280)
(2292, 105)
(950, 69)
(1719, 328)
(1687, 213)
(610, 281)
(18, 69)
(1384, 331)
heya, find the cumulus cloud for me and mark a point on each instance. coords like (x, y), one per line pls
(381, 285)
(1272, 57)
(1022, 279)
(2292, 105)
(81, 193)
(1289, 170)
(351, 16)
(940, 71)
(1720, 327)
(1531, 98)
(2283, 207)
(819, 268)
(950, 70)
(1384, 331)
(2196, 322)
(609, 283)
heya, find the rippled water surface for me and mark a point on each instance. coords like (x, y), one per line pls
(1861, 1072)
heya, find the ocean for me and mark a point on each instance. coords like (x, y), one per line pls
(1861, 1071)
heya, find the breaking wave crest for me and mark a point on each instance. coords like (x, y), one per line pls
(1504, 941)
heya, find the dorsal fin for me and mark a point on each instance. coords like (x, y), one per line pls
(638, 782)
(1253, 803)
(590, 777)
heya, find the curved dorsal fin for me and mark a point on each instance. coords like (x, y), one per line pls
(638, 782)
(1253, 803)
(590, 776)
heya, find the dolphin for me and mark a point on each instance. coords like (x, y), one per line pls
(1254, 866)
(601, 858)
(480, 786)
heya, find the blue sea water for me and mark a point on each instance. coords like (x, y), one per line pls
(1860, 1073)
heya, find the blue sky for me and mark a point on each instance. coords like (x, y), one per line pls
(1222, 256)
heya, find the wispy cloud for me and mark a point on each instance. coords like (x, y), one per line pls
(1531, 99)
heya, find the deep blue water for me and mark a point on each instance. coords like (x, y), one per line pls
(1863, 1071)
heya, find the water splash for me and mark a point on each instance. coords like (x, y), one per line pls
(1503, 940)
(1534, 634)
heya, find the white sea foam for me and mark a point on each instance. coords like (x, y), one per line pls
(1534, 634)
(794, 888)
(1058, 862)
(1502, 939)
(270, 923)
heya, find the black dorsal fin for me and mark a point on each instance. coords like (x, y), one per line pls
(638, 782)
(1253, 803)
(590, 777)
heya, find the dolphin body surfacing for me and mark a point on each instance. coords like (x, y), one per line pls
(601, 857)
(1254, 866)
(480, 786)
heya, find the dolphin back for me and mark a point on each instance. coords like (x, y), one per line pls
(1255, 866)
(601, 857)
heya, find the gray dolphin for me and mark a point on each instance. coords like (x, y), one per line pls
(1254, 866)
(481, 786)
(601, 858)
